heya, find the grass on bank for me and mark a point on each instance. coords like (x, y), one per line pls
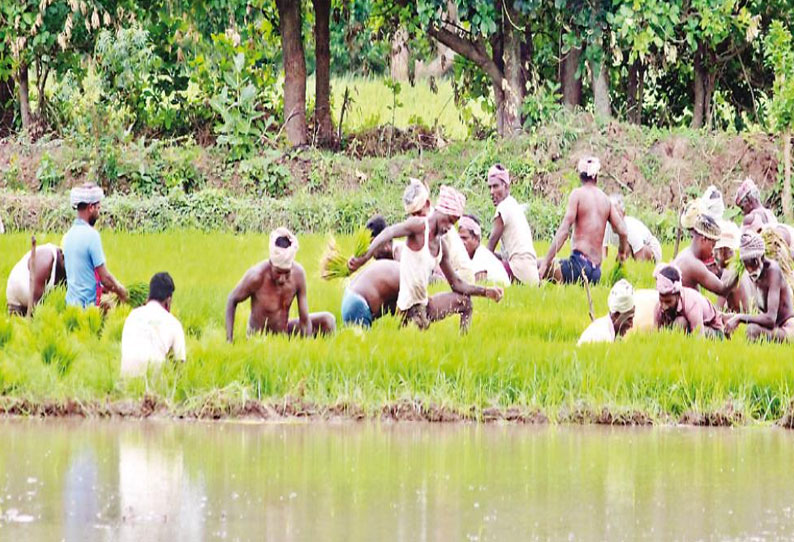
(520, 352)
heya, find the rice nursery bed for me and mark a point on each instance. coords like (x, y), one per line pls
(519, 362)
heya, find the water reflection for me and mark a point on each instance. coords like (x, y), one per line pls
(166, 481)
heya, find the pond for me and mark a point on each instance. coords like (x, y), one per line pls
(163, 480)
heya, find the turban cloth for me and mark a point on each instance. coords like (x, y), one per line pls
(87, 193)
(751, 246)
(729, 236)
(451, 202)
(282, 257)
(711, 203)
(747, 188)
(498, 171)
(664, 285)
(589, 165)
(471, 225)
(621, 297)
(707, 227)
(415, 196)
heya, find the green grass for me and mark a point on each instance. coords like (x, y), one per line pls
(372, 100)
(520, 352)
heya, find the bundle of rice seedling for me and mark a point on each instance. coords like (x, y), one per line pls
(334, 264)
(138, 294)
(736, 265)
(616, 275)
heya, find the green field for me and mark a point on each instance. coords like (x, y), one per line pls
(520, 353)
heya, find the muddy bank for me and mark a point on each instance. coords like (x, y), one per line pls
(401, 411)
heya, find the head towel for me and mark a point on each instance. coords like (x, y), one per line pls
(86, 193)
(621, 297)
(451, 202)
(283, 257)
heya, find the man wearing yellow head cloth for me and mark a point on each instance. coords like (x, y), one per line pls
(272, 286)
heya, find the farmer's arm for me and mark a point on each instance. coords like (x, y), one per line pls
(459, 286)
(41, 274)
(109, 281)
(402, 229)
(562, 232)
(711, 282)
(244, 289)
(496, 233)
(303, 306)
(768, 319)
(619, 227)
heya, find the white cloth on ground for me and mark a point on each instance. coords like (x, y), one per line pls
(150, 333)
(18, 287)
(485, 261)
(516, 235)
(601, 330)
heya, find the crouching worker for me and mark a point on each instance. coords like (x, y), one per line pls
(684, 308)
(619, 320)
(372, 293)
(776, 321)
(486, 266)
(49, 273)
(424, 250)
(272, 286)
(151, 332)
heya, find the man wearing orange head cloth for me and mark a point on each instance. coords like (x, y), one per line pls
(272, 286)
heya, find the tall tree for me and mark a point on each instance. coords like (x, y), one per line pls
(290, 20)
(322, 74)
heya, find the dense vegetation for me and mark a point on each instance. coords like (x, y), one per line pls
(518, 355)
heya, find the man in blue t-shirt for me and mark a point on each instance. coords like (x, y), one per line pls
(86, 272)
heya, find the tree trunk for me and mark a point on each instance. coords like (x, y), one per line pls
(398, 60)
(512, 83)
(24, 97)
(289, 14)
(701, 75)
(7, 102)
(601, 100)
(571, 84)
(322, 81)
(786, 195)
(634, 92)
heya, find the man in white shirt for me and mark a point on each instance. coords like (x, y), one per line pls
(485, 265)
(644, 246)
(510, 226)
(619, 320)
(151, 332)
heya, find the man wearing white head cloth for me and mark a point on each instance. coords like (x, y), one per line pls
(486, 266)
(619, 320)
(416, 201)
(423, 251)
(272, 286)
(87, 275)
(588, 213)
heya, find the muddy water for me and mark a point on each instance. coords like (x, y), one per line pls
(67, 480)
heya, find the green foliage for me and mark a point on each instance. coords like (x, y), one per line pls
(265, 175)
(542, 105)
(779, 53)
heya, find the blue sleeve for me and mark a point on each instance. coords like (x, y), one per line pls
(95, 251)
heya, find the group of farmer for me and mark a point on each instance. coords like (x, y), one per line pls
(442, 241)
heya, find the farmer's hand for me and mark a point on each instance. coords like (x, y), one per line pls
(355, 263)
(122, 293)
(494, 294)
(543, 269)
(732, 324)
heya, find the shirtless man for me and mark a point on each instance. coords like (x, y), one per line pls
(589, 210)
(375, 225)
(740, 298)
(372, 293)
(684, 308)
(272, 286)
(420, 255)
(776, 321)
(756, 216)
(50, 272)
(696, 262)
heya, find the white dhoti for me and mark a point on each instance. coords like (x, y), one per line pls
(525, 268)
(18, 286)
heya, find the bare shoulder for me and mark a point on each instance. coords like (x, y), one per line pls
(256, 273)
(298, 271)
